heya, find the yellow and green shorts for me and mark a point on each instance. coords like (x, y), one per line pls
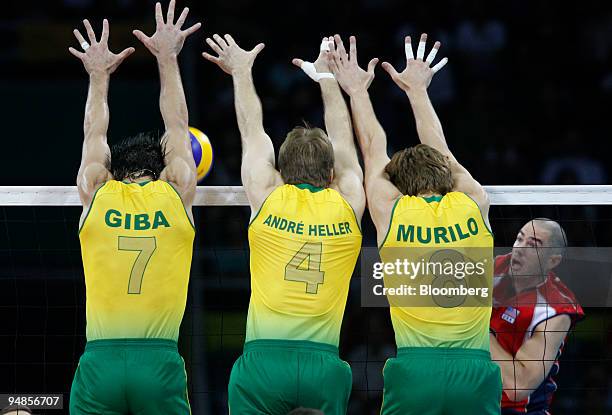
(274, 377)
(130, 376)
(441, 381)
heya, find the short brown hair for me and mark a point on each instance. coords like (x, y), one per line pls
(306, 156)
(419, 170)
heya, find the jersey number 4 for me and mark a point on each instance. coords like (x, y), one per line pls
(145, 246)
(311, 274)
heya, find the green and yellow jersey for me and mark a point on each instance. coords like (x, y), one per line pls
(136, 245)
(304, 245)
(449, 223)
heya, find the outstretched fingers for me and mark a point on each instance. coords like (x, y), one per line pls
(159, 17)
(90, 31)
(372, 65)
(440, 65)
(170, 15)
(105, 31)
(421, 47)
(141, 36)
(79, 37)
(390, 70)
(432, 54)
(182, 18)
(258, 49)
(353, 48)
(220, 41)
(211, 58)
(125, 53)
(76, 53)
(191, 30)
(408, 48)
(214, 46)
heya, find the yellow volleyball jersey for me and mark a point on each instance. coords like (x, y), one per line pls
(304, 245)
(450, 222)
(136, 244)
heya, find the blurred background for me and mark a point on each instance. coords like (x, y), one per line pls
(525, 99)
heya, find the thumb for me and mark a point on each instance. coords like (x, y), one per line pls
(125, 53)
(372, 65)
(297, 62)
(390, 69)
(140, 36)
(258, 48)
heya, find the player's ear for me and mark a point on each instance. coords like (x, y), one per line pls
(554, 261)
(331, 175)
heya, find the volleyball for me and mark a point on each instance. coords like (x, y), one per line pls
(202, 152)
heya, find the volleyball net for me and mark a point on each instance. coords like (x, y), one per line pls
(42, 293)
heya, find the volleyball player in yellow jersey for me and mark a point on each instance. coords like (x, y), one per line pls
(304, 239)
(136, 238)
(422, 198)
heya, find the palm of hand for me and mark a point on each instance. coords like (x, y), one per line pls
(99, 58)
(167, 39)
(353, 77)
(234, 58)
(416, 75)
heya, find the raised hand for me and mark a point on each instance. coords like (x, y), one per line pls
(418, 73)
(319, 69)
(97, 58)
(231, 57)
(344, 66)
(168, 39)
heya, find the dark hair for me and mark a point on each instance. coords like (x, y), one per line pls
(306, 156)
(420, 169)
(141, 155)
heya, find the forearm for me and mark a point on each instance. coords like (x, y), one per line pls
(428, 124)
(172, 103)
(370, 134)
(96, 109)
(515, 376)
(336, 114)
(248, 106)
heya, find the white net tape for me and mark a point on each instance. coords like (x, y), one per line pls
(235, 196)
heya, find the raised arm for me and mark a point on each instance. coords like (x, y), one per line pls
(381, 193)
(523, 374)
(100, 63)
(414, 81)
(165, 44)
(259, 176)
(348, 176)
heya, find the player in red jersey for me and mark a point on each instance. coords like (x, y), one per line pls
(532, 313)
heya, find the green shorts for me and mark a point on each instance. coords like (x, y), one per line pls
(441, 381)
(135, 376)
(276, 376)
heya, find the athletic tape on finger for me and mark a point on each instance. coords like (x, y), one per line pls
(309, 69)
(439, 65)
(432, 55)
(324, 45)
(409, 53)
(421, 50)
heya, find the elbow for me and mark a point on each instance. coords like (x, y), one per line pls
(517, 395)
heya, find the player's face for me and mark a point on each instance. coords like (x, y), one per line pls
(527, 259)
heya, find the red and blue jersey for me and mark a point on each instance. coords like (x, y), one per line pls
(514, 320)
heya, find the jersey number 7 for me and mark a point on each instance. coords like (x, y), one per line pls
(145, 247)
